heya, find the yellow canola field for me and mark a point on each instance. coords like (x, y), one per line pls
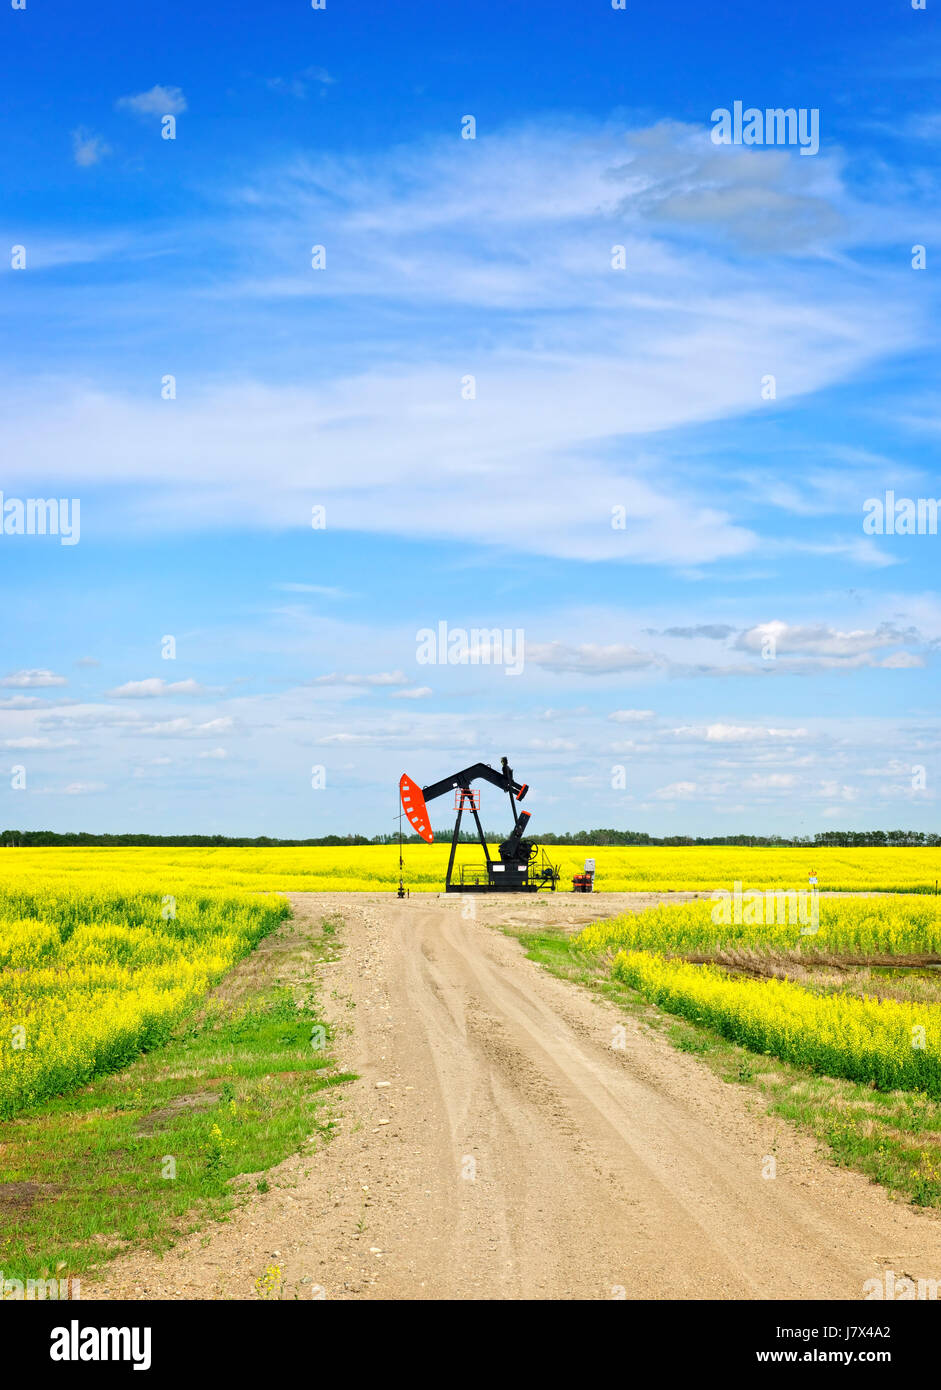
(90, 977)
(374, 868)
(103, 951)
(849, 927)
(894, 1044)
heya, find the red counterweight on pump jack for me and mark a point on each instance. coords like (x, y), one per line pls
(517, 868)
(413, 804)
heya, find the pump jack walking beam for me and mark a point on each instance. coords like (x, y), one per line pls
(478, 771)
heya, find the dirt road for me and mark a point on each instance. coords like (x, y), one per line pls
(497, 1145)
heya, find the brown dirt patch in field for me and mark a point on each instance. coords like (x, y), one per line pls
(185, 1104)
(22, 1195)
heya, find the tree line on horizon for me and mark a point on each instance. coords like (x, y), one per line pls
(850, 839)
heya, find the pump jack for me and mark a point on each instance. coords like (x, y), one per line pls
(522, 866)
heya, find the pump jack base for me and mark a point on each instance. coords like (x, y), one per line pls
(500, 878)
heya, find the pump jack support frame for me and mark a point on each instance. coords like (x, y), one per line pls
(466, 798)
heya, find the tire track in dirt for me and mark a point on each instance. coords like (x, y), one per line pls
(498, 1146)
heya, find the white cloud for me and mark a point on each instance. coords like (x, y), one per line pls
(832, 790)
(185, 728)
(631, 716)
(677, 791)
(35, 741)
(523, 230)
(323, 590)
(589, 659)
(418, 692)
(378, 678)
(31, 680)
(900, 661)
(892, 769)
(736, 733)
(154, 686)
(820, 640)
(715, 632)
(159, 101)
(904, 791)
(87, 148)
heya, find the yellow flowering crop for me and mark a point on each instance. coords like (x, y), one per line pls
(851, 927)
(374, 868)
(897, 1045)
(103, 949)
(90, 977)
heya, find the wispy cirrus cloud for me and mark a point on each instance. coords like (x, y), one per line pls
(525, 227)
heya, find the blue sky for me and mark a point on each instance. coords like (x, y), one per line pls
(734, 652)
